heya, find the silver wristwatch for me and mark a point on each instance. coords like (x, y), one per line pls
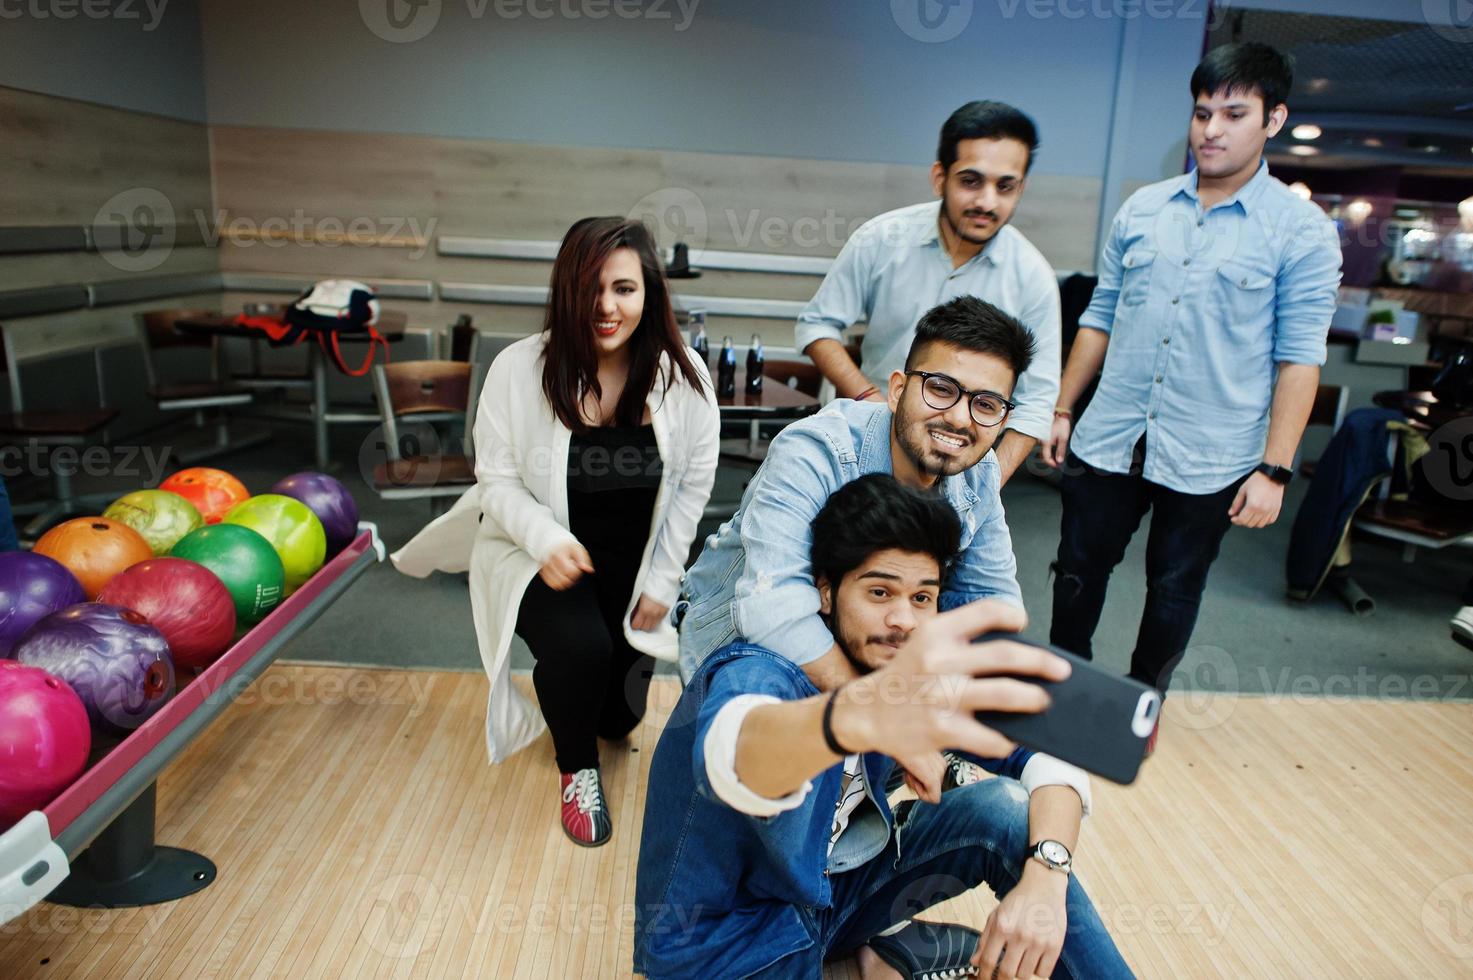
(1052, 855)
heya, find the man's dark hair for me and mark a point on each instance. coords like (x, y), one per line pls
(1247, 66)
(986, 121)
(875, 513)
(975, 325)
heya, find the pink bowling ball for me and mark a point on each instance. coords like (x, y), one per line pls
(44, 739)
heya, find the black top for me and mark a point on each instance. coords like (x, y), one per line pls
(613, 478)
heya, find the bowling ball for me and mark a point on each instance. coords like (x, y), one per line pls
(213, 492)
(293, 530)
(44, 739)
(32, 586)
(183, 600)
(244, 561)
(329, 500)
(161, 516)
(117, 663)
(94, 549)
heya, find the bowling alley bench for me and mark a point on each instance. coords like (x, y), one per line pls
(93, 845)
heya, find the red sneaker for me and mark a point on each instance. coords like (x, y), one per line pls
(586, 818)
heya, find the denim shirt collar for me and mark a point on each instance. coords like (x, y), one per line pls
(1246, 197)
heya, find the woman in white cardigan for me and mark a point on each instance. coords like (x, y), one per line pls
(595, 449)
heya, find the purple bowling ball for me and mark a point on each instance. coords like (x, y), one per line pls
(117, 663)
(32, 587)
(329, 500)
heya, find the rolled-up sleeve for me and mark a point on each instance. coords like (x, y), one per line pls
(842, 299)
(1100, 314)
(1307, 287)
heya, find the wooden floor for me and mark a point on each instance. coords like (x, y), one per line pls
(360, 833)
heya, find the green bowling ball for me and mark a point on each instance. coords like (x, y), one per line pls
(244, 561)
(161, 517)
(291, 527)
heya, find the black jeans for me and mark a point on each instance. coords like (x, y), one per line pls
(1101, 513)
(590, 682)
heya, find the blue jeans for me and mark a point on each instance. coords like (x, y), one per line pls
(977, 834)
(1101, 513)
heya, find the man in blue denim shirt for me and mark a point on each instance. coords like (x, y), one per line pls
(747, 868)
(753, 580)
(1214, 301)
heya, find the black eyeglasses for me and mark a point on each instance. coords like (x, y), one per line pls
(941, 392)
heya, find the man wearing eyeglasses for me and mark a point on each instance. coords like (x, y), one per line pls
(901, 263)
(935, 431)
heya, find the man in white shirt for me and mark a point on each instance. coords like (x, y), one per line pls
(767, 797)
(902, 263)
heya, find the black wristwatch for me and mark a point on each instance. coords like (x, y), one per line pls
(1279, 474)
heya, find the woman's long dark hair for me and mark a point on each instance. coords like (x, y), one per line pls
(570, 366)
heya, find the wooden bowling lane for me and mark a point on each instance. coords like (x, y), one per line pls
(359, 833)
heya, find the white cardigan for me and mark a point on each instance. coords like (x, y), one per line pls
(522, 491)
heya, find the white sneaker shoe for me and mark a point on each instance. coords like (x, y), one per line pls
(1462, 626)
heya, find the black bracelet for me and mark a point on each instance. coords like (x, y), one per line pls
(828, 727)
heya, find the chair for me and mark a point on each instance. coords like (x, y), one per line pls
(208, 397)
(427, 392)
(51, 429)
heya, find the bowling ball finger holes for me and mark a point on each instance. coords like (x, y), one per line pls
(133, 616)
(156, 682)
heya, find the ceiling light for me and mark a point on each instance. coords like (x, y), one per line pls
(1306, 131)
(1304, 151)
(1372, 141)
(1465, 212)
(1300, 188)
(1318, 85)
(1431, 148)
(1358, 210)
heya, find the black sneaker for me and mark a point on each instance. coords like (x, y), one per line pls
(929, 950)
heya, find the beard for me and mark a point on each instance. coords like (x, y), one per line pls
(953, 221)
(915, 442)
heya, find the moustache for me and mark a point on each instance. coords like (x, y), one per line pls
(894, 639)
(981, 214)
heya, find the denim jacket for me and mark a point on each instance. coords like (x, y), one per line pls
(722, 894)
(754, 579)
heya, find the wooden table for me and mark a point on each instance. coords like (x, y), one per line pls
(320, 413)
(776, 402)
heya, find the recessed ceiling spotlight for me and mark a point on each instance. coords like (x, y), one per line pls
(1300, 188)
(1318, 85)
(1372, 141)
(1431, 148)
(1358, 210)
(1306, 131)
(1304, 151)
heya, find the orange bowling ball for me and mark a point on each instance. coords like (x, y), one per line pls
(212, 491)
(94, 549)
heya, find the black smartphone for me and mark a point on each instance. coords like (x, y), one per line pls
(1098, 721)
